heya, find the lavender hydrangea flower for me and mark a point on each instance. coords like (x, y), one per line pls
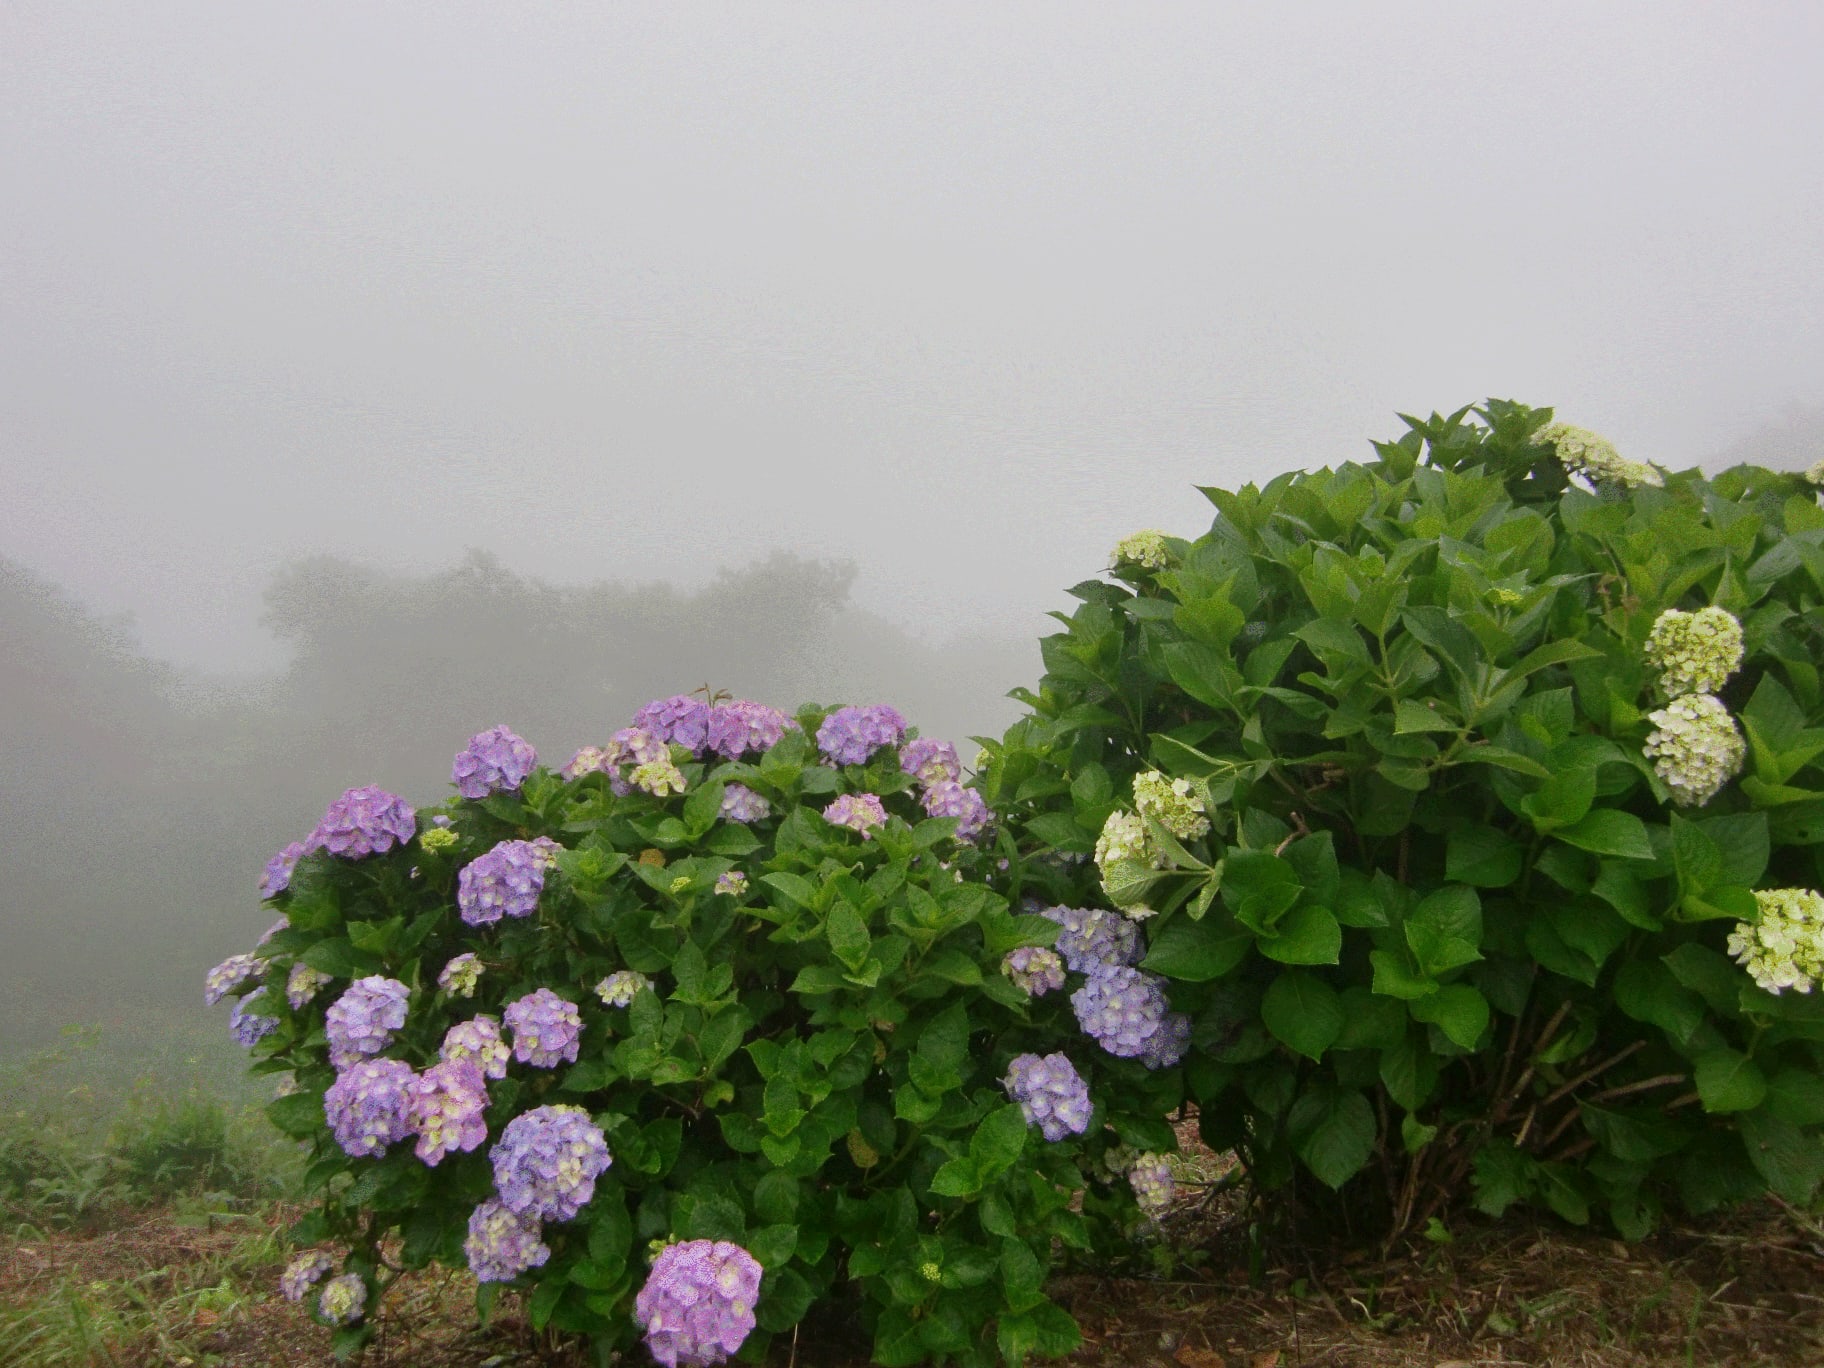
(478, 1041)
(732, 882)
(362, 1021)
(503, 1244)
(459, 977)
(849, 736)
(368, 1105)
(230, 974)
(495, 761)
(860, 812)
(621, 987)
(1151, 1179)
(634, 746)
(505, 881)
(282, 924)
(303, 984)
(742, 804)
(930, 761)
(680, 720)
(697, 1305)
(547, 1160)
(586, 761)
(247, 1026)
(303, 1273)
(1168, 1045)
(1034, 969)
(545, 1029)
(363, 821)
(1123, 1009)
(1093, 939)
(1051, 1094)
(738, 727)
(343, 1300)
(948, 798)
(445, 1106)
(277, 877)
(545, 851)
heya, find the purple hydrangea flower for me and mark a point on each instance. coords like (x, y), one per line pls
(230, 974)
(363, 821)
(545, 1029)
(304, 1273)
(368, 1106)
(697, 1305)
(247, 1026)
(343, 1300)
(496, 761)
(1051, 1094)
(738, 727)
(930, 762)
(547, 1160)
(282, 924)
(680, 720)
(277, 877)
(1035, 969)
(631, 746)
(545, 851)
(503, 1244)
(362, 1021)
(505, 881)
(303, 984)
(459, 977)
(1168, 1046)
(732, 882)
(948, 798)
(478, 1041)
(1123, 1009)
(742, 804)
(858, 812)
(586, 761)
(849, 736)
(1152, 1182)
(445, 1108)
(1094, 939)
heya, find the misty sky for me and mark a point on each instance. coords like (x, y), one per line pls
(962, 293)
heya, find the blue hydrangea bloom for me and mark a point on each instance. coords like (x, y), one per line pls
(445, 1106)
(1094, 939)
(503, 1244)
(368, 1106)
(1123, 1009)
(247, 1026)
(230, 974)
(680, 720)
(496, 761)
(1051, 1093)
(547, 1160)
(363, 821)
(697, 1305)
(362, 1021)
(277, 876)
(545, 1029)
(849, 736)
(505, 881)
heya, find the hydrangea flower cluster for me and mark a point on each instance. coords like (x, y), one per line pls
(436, 839)
(503, 1244)
(1695, 653)
(1784, 948)
(697, 1304)
(742, 804)
(849, 736)
(344, 1299)
(948, 798)
(277, 876)
(303, 984)
(505, 881)
(1695, 748)
(230, 974)
(459, 977)
(1093, 939)
(732, 882)
(547, 1160)
(445, 1106)
(1171, 803)
(303, 1273)
(1595, 458)
(545, 1029)
(1145, 548)
(362, 1021)
(247, 1026)
(930, 761)
(1051, 1094)
(1814, 473)
(1150, 1176)
(620, 988)
(1034, 969)
(860, 812)
(363, 821)
(740, 726)
(660, 778)
(586, 761)
(478, 1041)
(368, 1106)
(681, 720)
(1125, 838)
(1126, 1011)
(495, 761)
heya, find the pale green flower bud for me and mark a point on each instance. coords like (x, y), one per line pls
(437, 838)
(1695, 652)
(660, 778)
(1595, 458)
(1171, 803)
(1142, 548)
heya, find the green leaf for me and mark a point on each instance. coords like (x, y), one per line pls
(1341, 1142)
(1562, 799)
(1728, 1081)
(1197, 951)
(299, 1115)
(795, 888)
(1790, 1160)
(1303, 1012)
(848, 935)
(1609, 831)
(337, 958)
(1445, 929)
(1395, 978)
(957, 1178)
(1306, 935)
(1796, 1096)
(953, 966)
(1410, 715)
(1482, 856)
(998, 1142)
(1697, 858)
(1410, 1072)
(1456, 1009)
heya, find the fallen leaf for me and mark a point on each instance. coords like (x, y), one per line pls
(1193, 1357)
(206, 1317)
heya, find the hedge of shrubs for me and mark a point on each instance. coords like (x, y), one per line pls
(1445, 826)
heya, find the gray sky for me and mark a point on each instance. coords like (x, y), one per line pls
(961, 292)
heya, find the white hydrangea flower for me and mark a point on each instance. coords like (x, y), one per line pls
(1696, 749)
(1815, 473)
(1785, 948)
(1695, 652)
(660, 778)
(1171, 803)
(1145, 548)
(1595, 458)
(1123, 838)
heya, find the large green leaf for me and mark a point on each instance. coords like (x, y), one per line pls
(1303, 1012)
(1728, 1081)
(1196, 951)
(1609, 831)
(1337, 1147)
(1456, 1009)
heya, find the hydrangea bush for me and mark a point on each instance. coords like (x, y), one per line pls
(720, 1020)
(1464, 808)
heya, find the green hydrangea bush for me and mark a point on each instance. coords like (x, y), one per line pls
(718, 1022)
(1468, 801)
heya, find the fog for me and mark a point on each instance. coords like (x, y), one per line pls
(372, 374)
